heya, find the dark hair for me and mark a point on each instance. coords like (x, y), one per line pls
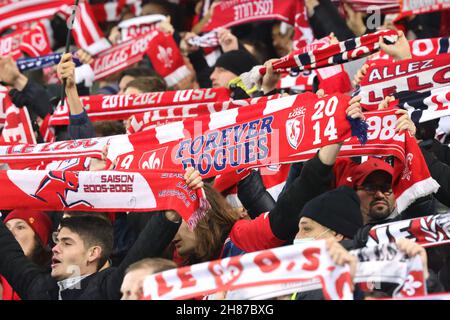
(166, 8)
(40, 255)
(156, 264)
(108, 128)
(100, 215)
(137, 72)
(147, 84)
(93, 231)
(212, 231)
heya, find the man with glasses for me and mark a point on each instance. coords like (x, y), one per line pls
(372, 181)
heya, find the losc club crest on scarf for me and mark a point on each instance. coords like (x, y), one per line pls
(295, 127)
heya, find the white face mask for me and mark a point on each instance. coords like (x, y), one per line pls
(297, 241)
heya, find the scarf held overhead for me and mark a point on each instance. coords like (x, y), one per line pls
(160, 116)
(376, 265)
(161, 49)
(417, 74)
(230, 13)
(101, 191)
(295, 264)
(333, 54)
(428, 231)
(121, 107)
(267, 133)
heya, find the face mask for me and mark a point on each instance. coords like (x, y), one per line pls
(297, 241)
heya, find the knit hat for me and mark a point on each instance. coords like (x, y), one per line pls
(362, 171)
(236, 61)
(338, 209)
(37, 220)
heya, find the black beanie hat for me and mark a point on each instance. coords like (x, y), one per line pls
(338, 209)
(236, 61)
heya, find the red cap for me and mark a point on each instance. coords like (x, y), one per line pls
(362, 171)
(39, 221)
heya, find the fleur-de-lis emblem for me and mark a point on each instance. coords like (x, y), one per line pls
(407, 171)
(410, 286)
(165, 55)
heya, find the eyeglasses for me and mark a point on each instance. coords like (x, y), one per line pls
(371, 189)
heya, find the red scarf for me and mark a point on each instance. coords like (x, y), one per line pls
(112, 10)
(229, 13)
(135, 27)
(36, 41)
(17, 126)
(428, 231)
(332, 79)
(86, 32)
(303, 34)
(109, 191)
(296, 266)
(415, 74)
(167, 59)
(121, 107)
(338, 53)
(160, 116)
(412, 7)
(159, 47)
(240, 138)
(10, 44)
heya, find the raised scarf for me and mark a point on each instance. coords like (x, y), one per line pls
(229, 13)
(428, 231)
(296, 265)
(102, 191)
(121, 107)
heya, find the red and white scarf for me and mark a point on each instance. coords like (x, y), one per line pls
(17, 13)
(207, 40)
(383, 6)
(376, 265)
(112, 10)
(10, 44)
(387, 264)
(426, 106)
(296, 265)
(339, 53)
(109, 191)
(86, 32)
(135, 27)
(428, 231)
(17, 124)
(303, 34)
(167, 59)
(21, 156)
(159, 47)
(229, 13)
(36, 41)
(250, 126)
(283, 130)
(267, 133)
(164, 115)
(416, 74)
(411, 7)
(121, 107)
(420, 48)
